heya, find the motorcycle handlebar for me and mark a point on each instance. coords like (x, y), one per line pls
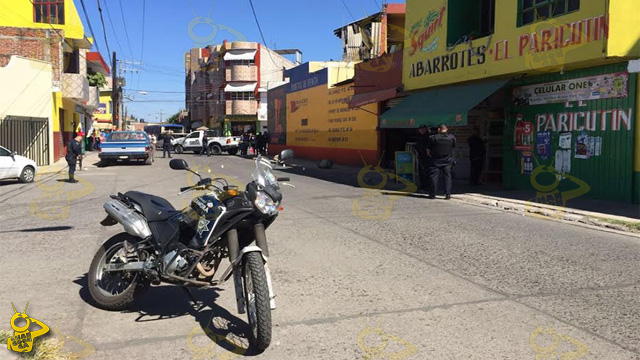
(185, 188)
(283, 179)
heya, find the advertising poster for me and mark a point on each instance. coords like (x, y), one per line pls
(582, 89)
(544, 144)
(277, 115)
(523, 135)
(565, 141)
(101, 109)
(404, 165)
(526, 163)
(582, 146)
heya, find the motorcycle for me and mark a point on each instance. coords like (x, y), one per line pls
(185, 247)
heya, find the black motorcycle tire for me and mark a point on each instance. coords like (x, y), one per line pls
(260, 331)
(114, 302)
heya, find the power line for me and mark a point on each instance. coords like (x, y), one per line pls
(260, 29)
(377, 4)
(113, 28)
(86, 15)
(144, 12)
(126, 32)
(104, 29)
(346, 7)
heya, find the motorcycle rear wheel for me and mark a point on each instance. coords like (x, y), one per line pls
(256, 292)
(113, 291)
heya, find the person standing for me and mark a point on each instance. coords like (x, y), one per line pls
(154, 141)
(166, 144)
(267, 138)
(74, 150)
(261, 144)
(440, 151)
(477, 152)
(205, 147)
(422, 145)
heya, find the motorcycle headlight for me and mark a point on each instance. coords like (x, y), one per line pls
(265, 204)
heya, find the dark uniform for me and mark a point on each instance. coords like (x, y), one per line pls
(205, 140)
(74, 149)
(441, 148)
(422, 144)
(166, 145)
(477, 154)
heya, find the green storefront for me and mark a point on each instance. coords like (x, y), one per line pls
(573, 134)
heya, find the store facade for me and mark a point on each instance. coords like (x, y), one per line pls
(567, 104)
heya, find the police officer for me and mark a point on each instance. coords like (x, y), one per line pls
(422, 147)
(74, 149)
(205, 148)
(166, 144)
(440, 152)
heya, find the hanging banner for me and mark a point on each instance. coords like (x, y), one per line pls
(581, 89)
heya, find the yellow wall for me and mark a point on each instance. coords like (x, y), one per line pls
(105, 99)
(501, 53)
(19, 13)
(330, 123)
(624, 28)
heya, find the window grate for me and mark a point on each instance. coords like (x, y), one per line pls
(48, 11)
(539, 10)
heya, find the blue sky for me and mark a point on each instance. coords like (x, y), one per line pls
(170, 30)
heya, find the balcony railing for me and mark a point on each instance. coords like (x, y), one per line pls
(242, 107)
(75, 86)
(242, 73)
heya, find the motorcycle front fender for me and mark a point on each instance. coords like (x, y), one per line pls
(237, 278)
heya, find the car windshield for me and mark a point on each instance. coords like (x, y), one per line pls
(263, 174)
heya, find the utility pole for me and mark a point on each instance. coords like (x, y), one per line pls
(114, 91)
(160, 116)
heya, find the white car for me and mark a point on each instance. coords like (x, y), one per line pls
(13, 166)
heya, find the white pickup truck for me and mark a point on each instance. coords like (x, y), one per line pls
(216, 144)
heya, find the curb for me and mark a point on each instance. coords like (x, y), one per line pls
(551, 212)
(60, 165)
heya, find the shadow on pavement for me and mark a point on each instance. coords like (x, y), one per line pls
(169, 301)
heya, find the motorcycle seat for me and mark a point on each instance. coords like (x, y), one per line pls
(153, 207)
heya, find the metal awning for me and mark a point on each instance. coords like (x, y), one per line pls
(240, 55)
(447, 105)
(241, 87)
(372, 97)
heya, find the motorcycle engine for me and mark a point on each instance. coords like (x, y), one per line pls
(177, 266)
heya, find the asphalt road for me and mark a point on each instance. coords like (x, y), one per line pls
(435, 280)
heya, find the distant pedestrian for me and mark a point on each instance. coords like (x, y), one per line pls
(477, 153)
(267, 138)
(74, 150)
(244, 144)
(205, 147)
(440, 152)
(166, 144)
(154, 141)
(261, 144)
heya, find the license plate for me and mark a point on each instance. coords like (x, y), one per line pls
(123, 157)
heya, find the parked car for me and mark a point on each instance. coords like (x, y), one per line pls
(176, 137)
(126, 145)
(215, 143)
(14, 166)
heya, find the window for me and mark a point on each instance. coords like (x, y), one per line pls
(48, 11)
(469, 20)
(538, 10)
(247, 95)
(242, 62)
(304, 122)
(194, 135)
(4, 152)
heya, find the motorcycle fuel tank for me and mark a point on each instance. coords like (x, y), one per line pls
(209, 209)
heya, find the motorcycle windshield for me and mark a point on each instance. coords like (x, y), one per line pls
(263, 174)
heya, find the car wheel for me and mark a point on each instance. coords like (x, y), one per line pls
(215, 149)
(178, 149)
(28, 174)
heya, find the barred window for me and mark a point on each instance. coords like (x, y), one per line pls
(48, 11)
(538, 10)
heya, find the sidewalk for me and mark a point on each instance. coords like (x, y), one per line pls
(61, 165)
(602, 214)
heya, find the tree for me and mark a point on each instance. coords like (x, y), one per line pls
(97, 79)
(174, 119)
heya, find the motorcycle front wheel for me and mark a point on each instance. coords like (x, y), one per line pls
(256, 292)
(113, 290)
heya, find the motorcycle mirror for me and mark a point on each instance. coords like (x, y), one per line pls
(286, 154)
(178, 164)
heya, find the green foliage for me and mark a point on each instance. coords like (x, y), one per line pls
(97, 79)
(174, 119)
